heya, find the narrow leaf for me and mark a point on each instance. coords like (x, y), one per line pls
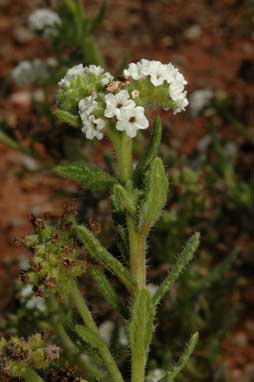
(97, 251)
(141, 324)
(123, 199)
(99, 17)
(67, 117)
(90, 176)
(172, 374)
(151, 152)
(155, 195)
(105, 288)
(217, 273)
(71, 5)
(185, 257)
(88, 336)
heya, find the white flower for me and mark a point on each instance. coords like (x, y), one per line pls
(92, 127)
(158, 74)
(27, 72)
(155, 70)
(21, 74)
(131, 119)
(114, 103)
(98, 71)
(44, 20)
(71, 73)
(106, 78)
(175, 90)
(199, 99)
(181, 103)
(95, 70)
(134, 71)
(87, 105)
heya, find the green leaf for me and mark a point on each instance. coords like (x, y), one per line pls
(88, 336)
(71, 5)
(123, 199)
(155, 195)
(217, 273)
(90, 176)
(67, 117)
(8, 141)
(151, 152)
(172, 374)
(97, 251)
(105, 288)
(141, 324)
(185, 257)
(99, 17)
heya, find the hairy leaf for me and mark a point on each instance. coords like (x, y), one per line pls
(141, 324)
(155, 195)
(123, 199)
(67, 117)
(100, 253)
(185, 257)
(90, 176)
(105, 288)
(88, 336)
(175, 371)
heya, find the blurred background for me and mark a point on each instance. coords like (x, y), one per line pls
(208, 150)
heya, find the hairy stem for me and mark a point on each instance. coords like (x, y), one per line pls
(137, 243)
(89, 322)
(138, 369)
(124, 158)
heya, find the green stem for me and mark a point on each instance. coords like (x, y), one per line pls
(124, 158)
(82, 308)
(137, 243)
(90, 323)
(138, 368)
(31, 376)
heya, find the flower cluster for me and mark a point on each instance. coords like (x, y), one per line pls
(16, 355)
(100, 101)
(159, 74)
(56, 256)
(28, 72)
(130, 117)
(45, 22)
(92, 126)
(80, 82)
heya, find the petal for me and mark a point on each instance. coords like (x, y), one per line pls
(121, 125)
(131, 131)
